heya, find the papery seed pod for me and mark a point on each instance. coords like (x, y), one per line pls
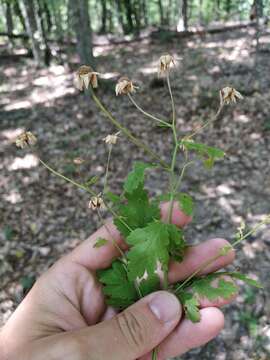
(229, 95)
(84, 77)
(165, 63)
(96, 202)
(111, 139)
(25, 139)
(124, 86)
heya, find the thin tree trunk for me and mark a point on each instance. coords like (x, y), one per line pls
(145, 12)
(43, 30)
(57, 17)
(103, 16)
(81, 24)
(161, 12)
(128, 8)
(9, 19)
(185, 14)
(29, 13)
(18, 12)
(120, 16)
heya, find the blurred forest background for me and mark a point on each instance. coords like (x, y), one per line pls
(220, 43)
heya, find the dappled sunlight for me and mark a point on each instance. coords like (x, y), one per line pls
(27, 162)
(13, 197)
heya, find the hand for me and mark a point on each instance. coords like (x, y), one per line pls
(64, 316)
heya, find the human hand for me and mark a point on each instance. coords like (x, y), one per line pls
(64, 316)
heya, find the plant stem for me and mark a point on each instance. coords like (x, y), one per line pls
(175, 150)
(147, 114)
(80, 186)
(107, 169)
(109, 232)
(155, 354)
(125, 131)
(214, 258)
(221, 106)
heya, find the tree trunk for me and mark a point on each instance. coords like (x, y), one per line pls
(161, 12)
(103, 16)
(120, 16)
(185, 14)
(43, 30)
(145, 12)
(9, 19)
(57, 18)
(29, 13)
(80, 21)
(128, 8)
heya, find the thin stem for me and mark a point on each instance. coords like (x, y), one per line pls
(147, 114)
(107, 169)
(174, 156)
(207, 122)
(214, 258)
(80, 186)
(110, 233)
(125, 131)
(182, 174)
(155, 354)
(73, 182)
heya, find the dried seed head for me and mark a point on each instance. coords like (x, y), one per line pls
(78, 161)
(229, 95)
(124, 86)
(25, 139)
(165, 62)
(111, 139)
(84, 77)
(96, 202)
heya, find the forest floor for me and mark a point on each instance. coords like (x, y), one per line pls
(41, 217)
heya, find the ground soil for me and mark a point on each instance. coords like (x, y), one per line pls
(42, 217)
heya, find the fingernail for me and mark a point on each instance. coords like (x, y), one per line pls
(165, 306)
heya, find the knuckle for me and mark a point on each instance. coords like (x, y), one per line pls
(132, 329)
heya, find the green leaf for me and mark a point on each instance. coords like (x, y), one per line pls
(177, 244)
(136, 177)
(190, 305)
(115, 199)
(100, 242)
(186, 203)
(206, 287)
(91, 181)
(137, 213)
(120, 292)
(149, 246)
(208, 153)
(245, 279)
(149, 285)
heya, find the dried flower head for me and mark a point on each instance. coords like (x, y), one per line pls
(165, 62)
(124, 86)
(78, 161)
(229, 95)
(25, 139)
(111, 139)
(96, 202)
(85, 75)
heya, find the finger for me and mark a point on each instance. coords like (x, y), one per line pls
(95, 258)
(189, 335)
(127, 336)
(196, 256)
(109, 313)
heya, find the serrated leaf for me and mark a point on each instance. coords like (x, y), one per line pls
(137, 213)
(186, 203)
(149, 246)
(120, 292)
(190, 305)
(206, 287)
(92, 181)
(136, 177)
(149, 285)
(100, 242)
(245, 279)
(115, 199)
(208, 153)
(177, 244)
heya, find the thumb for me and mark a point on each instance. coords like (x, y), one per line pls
(135, 331)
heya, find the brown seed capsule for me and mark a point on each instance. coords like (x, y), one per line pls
(229, 95)
(96, 202)
(25, 139)
(84, 77)
(165, 62)
(124, 86)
